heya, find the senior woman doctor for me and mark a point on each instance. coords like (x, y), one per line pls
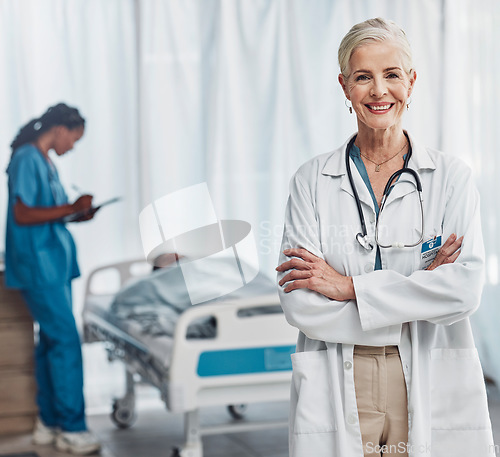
(385, 362)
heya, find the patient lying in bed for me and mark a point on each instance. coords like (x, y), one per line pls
(155, 302)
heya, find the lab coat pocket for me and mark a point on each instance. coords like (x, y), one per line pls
(312, 382)
(458, 393)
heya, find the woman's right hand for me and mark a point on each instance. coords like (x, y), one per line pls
(448, 253)
(83, 203)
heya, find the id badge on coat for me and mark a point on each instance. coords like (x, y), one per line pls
(429, 251)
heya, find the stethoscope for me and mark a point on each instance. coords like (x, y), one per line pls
(362, 237)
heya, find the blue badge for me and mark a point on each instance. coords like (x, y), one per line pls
(432, 244)
(429, 251)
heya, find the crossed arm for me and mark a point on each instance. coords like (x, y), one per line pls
(307, 271)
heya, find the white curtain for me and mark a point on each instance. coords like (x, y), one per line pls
(237, 93)
(240, 93)
(82, 52)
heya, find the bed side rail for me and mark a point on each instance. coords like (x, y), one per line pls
(266, 336)
(125, 270)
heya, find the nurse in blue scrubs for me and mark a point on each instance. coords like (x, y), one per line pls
(40, 261)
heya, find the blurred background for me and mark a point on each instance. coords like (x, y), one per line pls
(238, 94)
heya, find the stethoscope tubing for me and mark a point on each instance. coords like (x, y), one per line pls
(362, 236)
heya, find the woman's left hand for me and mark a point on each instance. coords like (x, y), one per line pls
(311, 272)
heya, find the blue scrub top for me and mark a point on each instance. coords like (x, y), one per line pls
(42, 254)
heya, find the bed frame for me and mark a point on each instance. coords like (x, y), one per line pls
(247, 362)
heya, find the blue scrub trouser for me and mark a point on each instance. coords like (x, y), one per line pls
(58, 358)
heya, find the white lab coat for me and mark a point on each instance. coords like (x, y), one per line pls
(424, 312)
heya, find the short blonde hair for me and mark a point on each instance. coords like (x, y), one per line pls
(369, 31)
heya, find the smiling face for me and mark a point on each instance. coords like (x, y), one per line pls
(378, 86)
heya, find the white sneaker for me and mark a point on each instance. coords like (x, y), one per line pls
(42, 434)
(77, 442)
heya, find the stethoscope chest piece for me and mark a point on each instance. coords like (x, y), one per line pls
(363, 241)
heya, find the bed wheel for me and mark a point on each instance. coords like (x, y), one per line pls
(187, 452)
(237, 411)
(123, 414)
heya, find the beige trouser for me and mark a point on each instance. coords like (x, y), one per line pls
(382, 402)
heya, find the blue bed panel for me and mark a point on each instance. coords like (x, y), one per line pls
(245, 361)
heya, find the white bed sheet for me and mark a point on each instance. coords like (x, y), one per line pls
(145, 310)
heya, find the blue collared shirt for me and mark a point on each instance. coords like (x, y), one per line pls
(355, 155)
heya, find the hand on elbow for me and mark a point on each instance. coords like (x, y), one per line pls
(307, 271)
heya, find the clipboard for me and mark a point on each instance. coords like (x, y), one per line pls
(93, 209)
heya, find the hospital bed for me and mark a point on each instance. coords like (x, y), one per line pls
(247, 361)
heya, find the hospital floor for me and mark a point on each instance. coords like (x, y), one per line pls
(156, 431)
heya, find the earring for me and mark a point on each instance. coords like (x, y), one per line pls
(349, 107)
(408, 103)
